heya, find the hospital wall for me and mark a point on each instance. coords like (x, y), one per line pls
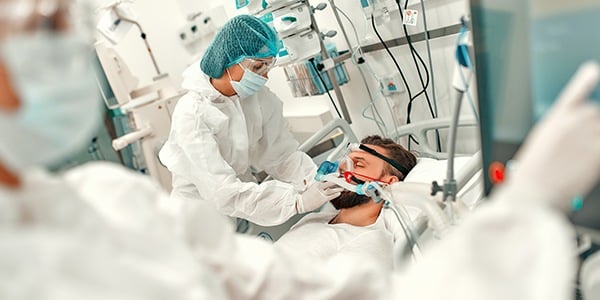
(162, 21)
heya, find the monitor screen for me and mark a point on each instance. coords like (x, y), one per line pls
(525, 53)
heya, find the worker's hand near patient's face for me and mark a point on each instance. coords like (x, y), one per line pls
(561, 156)
(316, 195)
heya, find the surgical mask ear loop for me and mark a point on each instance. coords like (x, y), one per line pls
(231, 82)
(229, 74)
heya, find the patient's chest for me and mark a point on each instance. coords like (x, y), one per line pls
(314, 238)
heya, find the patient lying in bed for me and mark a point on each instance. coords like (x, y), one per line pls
(358, 228)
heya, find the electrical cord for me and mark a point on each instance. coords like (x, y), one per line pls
(397, 67)
(372, 104)
(426, 31)
(358, 48)
(414, 53)
(374, 111)
(312, 63)
(424, 84)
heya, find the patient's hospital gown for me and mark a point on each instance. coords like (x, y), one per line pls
(313, 236)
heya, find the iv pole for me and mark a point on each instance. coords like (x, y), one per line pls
(460, 85)
(330, 72)
(142, 34)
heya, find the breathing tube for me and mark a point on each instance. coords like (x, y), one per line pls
(413, 194)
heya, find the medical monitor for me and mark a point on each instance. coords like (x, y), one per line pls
(525, 52)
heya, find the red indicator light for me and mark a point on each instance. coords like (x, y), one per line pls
(496, 172)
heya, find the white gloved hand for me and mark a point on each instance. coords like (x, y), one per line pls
(316, 195)
(561, 156)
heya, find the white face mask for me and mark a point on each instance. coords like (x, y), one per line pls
(60, 108)
(249, 85)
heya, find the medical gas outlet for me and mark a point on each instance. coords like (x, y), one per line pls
(391, 84)
(196, 29)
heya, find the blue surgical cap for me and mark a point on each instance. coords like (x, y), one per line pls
(241, 37)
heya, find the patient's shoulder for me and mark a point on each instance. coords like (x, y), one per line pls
(322, 217)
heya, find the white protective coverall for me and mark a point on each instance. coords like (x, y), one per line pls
(215, 139)
(55, 245)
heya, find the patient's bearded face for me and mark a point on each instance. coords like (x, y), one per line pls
(364, 164)
(349, 199)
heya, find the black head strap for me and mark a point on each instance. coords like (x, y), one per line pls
(394, 164)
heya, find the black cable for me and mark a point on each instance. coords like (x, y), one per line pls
(399, 70)
(424, 84)
(424, 91)
(414, 53)
(312, 63)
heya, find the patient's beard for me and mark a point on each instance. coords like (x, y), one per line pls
(349, 199)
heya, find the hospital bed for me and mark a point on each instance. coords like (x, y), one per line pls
(431, 166)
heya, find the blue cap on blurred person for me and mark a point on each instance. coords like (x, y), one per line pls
(242, 37)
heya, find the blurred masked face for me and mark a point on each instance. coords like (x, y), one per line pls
(49, 105)
(365, 167)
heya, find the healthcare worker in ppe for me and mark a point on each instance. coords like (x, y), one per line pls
(54, 243)
(228, 122)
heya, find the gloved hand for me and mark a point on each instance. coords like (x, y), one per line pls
(316, 195)
(561, 156)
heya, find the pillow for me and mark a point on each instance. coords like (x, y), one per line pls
(429, 169)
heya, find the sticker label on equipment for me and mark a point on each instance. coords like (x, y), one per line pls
(410, 17)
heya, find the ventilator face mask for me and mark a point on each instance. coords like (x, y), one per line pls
(346, 164)
(59, 105)
(250, 83)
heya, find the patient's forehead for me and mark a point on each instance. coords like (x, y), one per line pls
(370, 158)
(379, 149)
